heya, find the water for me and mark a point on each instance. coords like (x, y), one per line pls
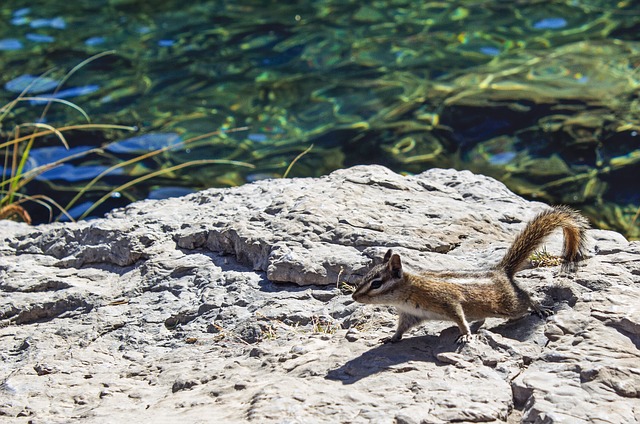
(541, 95)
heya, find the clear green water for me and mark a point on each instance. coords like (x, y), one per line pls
(541, 95)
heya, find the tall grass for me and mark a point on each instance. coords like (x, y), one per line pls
(20, 141)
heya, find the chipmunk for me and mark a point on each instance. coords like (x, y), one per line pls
(463, 296)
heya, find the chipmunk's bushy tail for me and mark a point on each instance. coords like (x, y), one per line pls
(573, 225)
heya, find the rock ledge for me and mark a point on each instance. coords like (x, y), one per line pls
(225, 306)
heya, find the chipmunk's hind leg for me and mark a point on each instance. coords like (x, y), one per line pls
(525, 303)
(457, 315)
(541, 310)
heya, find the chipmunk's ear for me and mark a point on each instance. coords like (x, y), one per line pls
(387, 256)
(395, 266)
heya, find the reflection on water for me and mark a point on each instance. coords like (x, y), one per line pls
(541, 95)
(32, 84)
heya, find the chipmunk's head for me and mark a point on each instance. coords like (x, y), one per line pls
(381, 281)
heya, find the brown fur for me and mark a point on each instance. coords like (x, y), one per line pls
(450, 295)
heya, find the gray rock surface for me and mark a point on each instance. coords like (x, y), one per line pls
(228, 306)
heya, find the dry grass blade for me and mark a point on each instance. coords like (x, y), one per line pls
(46, 202)
(81, 65)
(92, 183)
(68, 128)
(18, 168)
(161, 172)
(4, 110)
(71, 72)
(26, 177)
(52, 130)
(7, 211)
(54, 100)
(307, 150)
(40, 199)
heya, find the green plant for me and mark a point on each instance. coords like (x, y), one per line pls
(269, 332)
(343, 286)
(324, 324)
(17, 148)
(543, 258)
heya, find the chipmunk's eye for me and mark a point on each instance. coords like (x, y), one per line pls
(376, 284)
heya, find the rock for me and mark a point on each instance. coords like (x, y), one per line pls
(233, 304)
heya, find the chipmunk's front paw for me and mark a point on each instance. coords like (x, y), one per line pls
(392, 339)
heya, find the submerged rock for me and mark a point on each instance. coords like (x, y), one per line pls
(226, 305)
